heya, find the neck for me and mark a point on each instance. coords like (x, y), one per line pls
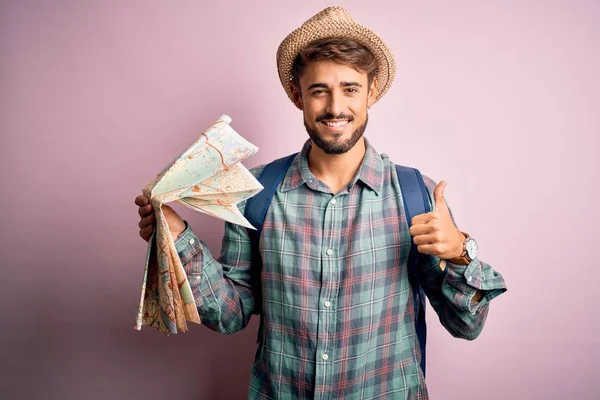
(336, 170)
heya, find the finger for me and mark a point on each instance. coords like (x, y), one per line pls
(438, 192)
(420, 229)
(436, 249)
(426, 239)
(427, 249)
(424, 218)
(145, 210)
(141, 200)
(146, 233)
(149, 220)
(438, 195)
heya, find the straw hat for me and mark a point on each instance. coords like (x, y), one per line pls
(335, 22)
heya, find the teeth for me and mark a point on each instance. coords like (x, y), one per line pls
(336, 124)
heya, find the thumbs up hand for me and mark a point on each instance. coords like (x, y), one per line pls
(434, 232)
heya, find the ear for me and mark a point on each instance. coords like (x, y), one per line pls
(372, 96)
(296, 96)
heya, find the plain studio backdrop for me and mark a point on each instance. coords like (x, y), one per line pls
(501, 99)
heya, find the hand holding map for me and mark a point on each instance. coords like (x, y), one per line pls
(207, 177)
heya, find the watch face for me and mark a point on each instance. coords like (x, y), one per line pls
(472, 249)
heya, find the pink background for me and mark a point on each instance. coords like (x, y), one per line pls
(500, 99)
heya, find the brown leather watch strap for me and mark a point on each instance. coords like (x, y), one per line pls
(463, 259)
(460, 260)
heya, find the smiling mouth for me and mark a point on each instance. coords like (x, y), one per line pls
(335, 123)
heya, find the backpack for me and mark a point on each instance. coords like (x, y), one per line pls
(416, 201)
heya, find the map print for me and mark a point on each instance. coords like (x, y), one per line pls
(207, 177)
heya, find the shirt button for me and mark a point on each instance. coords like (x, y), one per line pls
(333, 201)
(329, 252)
(325, 357)
(327, 304)
(192, 241)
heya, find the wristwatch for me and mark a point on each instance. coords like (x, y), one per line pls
(469, 251)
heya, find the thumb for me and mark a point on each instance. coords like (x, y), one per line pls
(438, 196)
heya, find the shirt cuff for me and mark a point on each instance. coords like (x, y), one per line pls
(187, 245)
(463, 281)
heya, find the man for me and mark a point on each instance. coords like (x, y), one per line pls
(333, 290)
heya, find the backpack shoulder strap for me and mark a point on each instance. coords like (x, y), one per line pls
(255, 212)
(416, 201)
(258, 205)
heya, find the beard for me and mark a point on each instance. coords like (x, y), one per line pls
(334, 146)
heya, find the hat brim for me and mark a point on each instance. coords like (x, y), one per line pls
(311, 31)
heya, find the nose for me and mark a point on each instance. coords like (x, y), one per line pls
(335, 103)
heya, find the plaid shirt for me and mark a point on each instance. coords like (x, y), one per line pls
(336, 300)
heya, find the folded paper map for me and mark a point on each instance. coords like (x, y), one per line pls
(207, 177)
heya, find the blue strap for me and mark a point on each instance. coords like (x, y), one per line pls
(416, 201)
(258, 205)
(256, 210)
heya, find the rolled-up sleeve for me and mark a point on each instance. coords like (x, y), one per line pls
(187, 245)
(223, 289)
(463, 281)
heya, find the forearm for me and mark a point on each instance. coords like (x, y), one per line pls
(478, 294)
(460, 294)
(225, 300)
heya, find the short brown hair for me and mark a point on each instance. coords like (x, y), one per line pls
(341, 50)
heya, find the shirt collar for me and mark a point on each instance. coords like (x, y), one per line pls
(369, 173)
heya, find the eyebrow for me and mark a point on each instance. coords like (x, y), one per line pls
(342, 84)
(346, 84)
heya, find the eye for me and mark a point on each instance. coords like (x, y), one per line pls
(352, 90)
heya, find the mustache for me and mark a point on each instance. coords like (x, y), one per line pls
(329, 116)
